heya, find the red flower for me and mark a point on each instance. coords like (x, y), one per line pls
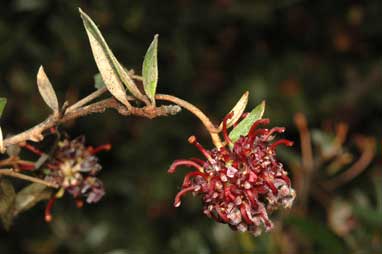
(241, 182)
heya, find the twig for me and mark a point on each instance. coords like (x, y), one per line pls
(87, 99)
(11, 173)
(35, 133)
(198, 113)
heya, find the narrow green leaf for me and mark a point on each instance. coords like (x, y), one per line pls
(3, 102)
(113, 74)
(29, 196)
(98, 82)
(150, 69)
(46, 90)
(237, 110)
(244, 126)
(7, 201)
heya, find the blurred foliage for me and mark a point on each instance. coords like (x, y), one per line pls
(321, 58)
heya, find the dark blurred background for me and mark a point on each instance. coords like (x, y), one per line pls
(320, 58)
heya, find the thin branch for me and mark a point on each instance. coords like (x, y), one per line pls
(198, 113)
(87, 99)
(11, 173)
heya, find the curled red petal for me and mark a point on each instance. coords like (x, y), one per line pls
(221, 214)
(187, 163)
(192, 140)
(244, 115)
(228, 194)
(187, 180)
(178, 196)
(32, 149)
(197, 160)
(225, 134)
(272, 187)
(244, 214)
(273, 130)
(257, 123)
(281, 142)
(105, 147)
(48, 209)
(26, 166)
(251, 198)
(285, 179)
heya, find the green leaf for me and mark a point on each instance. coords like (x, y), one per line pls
(98, 81)
(112, 72)
(29, 196)
(244, 126)
(7, 201)
(237, 110)
(3, 101)
(150, 69)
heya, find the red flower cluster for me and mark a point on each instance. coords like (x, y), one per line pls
(73, 167)
(242, 183)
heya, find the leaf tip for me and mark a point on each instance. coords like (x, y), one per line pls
(46, 89)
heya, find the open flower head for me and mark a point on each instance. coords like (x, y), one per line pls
(242, 182)
(74, 167)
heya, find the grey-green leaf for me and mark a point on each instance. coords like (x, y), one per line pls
(7, 202)
(3, 102)
(150, 69)
(46, 90)
(244, 126)
(29, 196)
(98, 82)
(113, 74)
(237, 110)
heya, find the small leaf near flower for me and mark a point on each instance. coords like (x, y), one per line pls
(46, 90)
(237, 110)
(113, 74)
(244, 126)
(98, 82)
(3, 102)
(7, 201)
(150, 69)
(29, 196)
